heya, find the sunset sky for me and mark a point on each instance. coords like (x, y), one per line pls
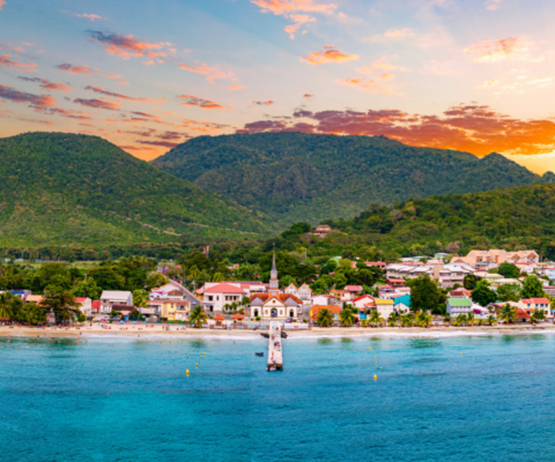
(472, 75)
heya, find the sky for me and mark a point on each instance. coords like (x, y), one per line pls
(471, 75)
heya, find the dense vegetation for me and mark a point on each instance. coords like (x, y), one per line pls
(302, 177)
(60, 189)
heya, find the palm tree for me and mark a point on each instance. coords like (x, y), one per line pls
(218, 277)
(407, 320)
(470, 318)
(508, 314)
(375, 318)
(227, 307)
(459, 320)
(324, 318)
(197, 316)
(347, 317)
(491, 320)
(424, 319)
(392, 319)
(6, 308)
(537, 315)
(447, 318)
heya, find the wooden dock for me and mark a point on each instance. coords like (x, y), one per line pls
(275, 350)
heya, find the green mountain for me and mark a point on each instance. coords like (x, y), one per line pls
(60, 188)
(302, 177)
(512, 218)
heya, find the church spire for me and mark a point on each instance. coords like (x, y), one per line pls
(274, 282)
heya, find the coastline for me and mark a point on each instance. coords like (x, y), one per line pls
(144, 333)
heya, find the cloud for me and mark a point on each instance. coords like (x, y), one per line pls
(263, 103)
(492, 51)
(84, 70)
(6, 62)
(308, 95)
(46, 84)
(394, 34)
(165, 144)
(35, 101)
(97, 104)
(122, 83)
(211, 73)
(127, 46)
(330, 54)
(295, 10)
(237, 87)
(380, 65)
(490, 83)
(188, 100)
(380, 81)
(471, 128)
(2, 3)
(91, 17)
(205, 127)
(111, 94)
(493, 5)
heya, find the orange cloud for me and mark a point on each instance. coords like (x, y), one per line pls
(122, 83)
(46, 84)
(188, 100)
(374, 85)
(263, 103)
(85, 70)
(97, 104)
(491, 51)
(91, 17)
(6, 62)
(394, 34)
(293, 9)
(111, 94)
(127, 46)
(329, 55)
(2, 3)
(493, 5)
(471, 128)
(237, 87)
(381, 65)
(35, 101)
(308, 95)
(211, 73)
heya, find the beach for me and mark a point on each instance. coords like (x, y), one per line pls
(146, 330)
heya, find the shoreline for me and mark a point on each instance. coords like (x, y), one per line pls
(145, 333)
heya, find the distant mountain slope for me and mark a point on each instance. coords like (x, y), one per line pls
(302, 177)
(62, 188)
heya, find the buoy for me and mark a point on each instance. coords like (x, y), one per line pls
(375, 356)
(369, 348)
(376, 362)
(375, 377)
(196, 365)
(210, 346)
(461, 352)
(203, 353)
(187, 372)
(380, 367)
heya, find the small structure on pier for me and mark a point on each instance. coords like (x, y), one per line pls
(275, 350)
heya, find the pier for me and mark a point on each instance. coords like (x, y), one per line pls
(275, 350)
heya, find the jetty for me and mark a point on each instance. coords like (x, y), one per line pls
(275, 350)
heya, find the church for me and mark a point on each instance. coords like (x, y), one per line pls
(275, 304)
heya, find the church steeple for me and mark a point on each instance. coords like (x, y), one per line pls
(274, 282)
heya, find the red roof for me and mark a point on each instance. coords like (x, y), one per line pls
(219, 317)
(354, 288)
(334, 309)
(362, 297)
(80, 299)
(521, 314)
(224, 288)
(535, 301)
(238, 316)
(280, 297)
(96, 304)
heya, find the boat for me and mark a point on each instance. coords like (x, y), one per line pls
(259, 353)
(271, 368)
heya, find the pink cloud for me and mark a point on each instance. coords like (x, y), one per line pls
(84, 70)
(188, 100)
(329, 55)
(46, 84)
(2, 3)
(237, 87)
(35, 101)
(497, 50)
(111, 94)
(91, 17)
(211, 73)
(263, 103)
(308, 95)
(127, 46)
(97, 104)
(6, 62)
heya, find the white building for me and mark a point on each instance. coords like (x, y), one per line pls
(219, 295)
(114, 297)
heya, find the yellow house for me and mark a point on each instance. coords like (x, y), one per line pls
(175, 310)
(384, 307)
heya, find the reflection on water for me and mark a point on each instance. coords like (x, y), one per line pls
(325, 341)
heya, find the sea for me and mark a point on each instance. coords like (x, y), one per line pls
(444, 398)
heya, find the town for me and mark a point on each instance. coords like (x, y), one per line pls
(481, 288)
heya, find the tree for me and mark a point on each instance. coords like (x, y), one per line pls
(374, 317)
(508, 270)
(140, 298)
(407, 320)
(425, 294)
(491, 320)
(537, 315)
(136, 314)
(10, 305)
(509, 293)
(340, 280)
(62, 303)
(508, 314)
(324, 318)
(459, 320)
(156, 279)
(532, 288)
(482, 294)
(423, 319)
(218, 277)
(346, 317)
(470, 281)
(87, 288)
(470, 318)
(198, 317)
(392, 319)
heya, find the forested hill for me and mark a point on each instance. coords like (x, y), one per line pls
(513, 218)
(303, 177)
(62, 188)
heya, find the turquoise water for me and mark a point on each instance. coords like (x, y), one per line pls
(120, 399)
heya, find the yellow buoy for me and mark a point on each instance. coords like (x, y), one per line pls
(196, 365)
(210, 346)
(376, 362)
(380, 367)
(375, 377)
(461, 352)
(375, 356)
(187, 371)
(203, 353)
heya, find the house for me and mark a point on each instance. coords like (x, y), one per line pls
(488, 259)
(456, 306)
(363, 302)
(377, 264)
(305, 293)
(86, 304)
(292, 289)
(531, 304)
(343, 295)
(275, 304)
(354, 290)
(321, 230)
(325, 300)
(460, 293)
(315, 310)
(522, 315)
(177, 291)
(34, 299)
(401, 299)
(396, 282)
(219, 295)
(95, 306)
(109, 298)
(385, 307)
(175, 310)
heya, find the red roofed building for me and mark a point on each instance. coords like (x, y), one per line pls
(354, 289)
(333, 309)
(522, 316)
(95, 306)
(86, 304)
(216, 297)
(531, 304)
(363, 302)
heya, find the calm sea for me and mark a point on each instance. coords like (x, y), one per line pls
(118, 399)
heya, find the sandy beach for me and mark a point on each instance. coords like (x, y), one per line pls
(145, 331)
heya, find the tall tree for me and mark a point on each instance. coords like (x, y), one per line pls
(62, 303)
(508, 270)
(482, 294)
(532, 288)
(425, 294)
